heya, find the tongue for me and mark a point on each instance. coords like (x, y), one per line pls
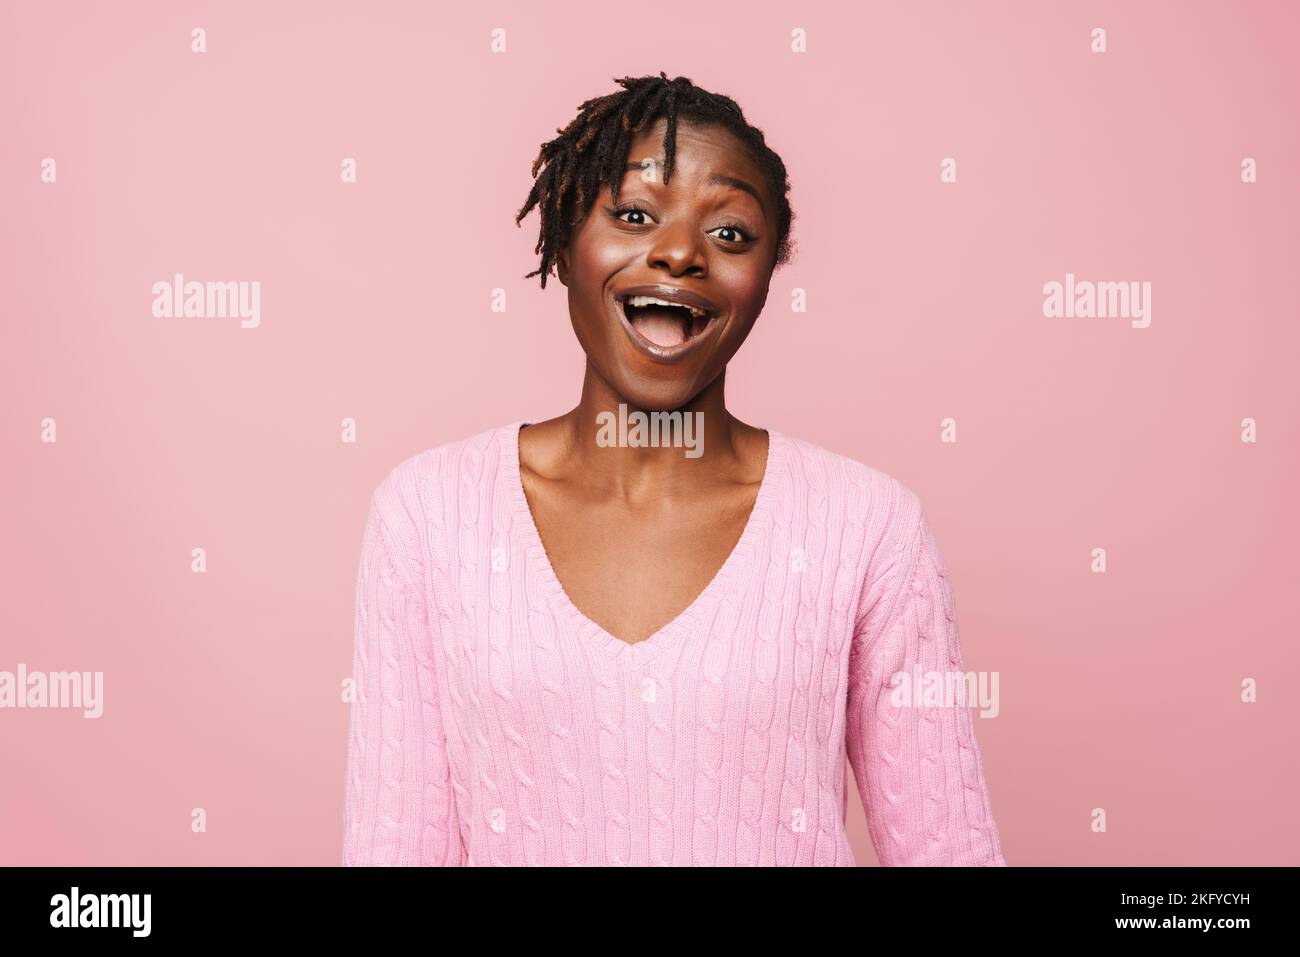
(662, 325)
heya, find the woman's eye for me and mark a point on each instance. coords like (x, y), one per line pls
(739, 235)
(735, 234)
(620, 213)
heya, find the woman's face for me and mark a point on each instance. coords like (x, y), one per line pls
(707, 239)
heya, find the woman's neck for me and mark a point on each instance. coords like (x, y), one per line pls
(615, 448)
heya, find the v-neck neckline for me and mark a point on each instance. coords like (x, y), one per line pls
(698, 612)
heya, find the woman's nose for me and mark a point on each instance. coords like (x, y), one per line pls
(678, 248)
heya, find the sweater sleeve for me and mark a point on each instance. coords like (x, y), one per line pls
(918, 766)
(398, 807)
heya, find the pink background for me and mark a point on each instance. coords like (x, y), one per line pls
(1119, 691)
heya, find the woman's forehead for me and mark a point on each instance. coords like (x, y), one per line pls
(711, 155)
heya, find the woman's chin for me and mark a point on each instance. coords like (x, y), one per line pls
(655, 393)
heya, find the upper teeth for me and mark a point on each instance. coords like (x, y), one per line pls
(652, 301)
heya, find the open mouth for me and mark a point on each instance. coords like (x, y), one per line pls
(666, 324)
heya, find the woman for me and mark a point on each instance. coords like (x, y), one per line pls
(616, 637)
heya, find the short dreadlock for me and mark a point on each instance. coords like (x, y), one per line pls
(592, 150)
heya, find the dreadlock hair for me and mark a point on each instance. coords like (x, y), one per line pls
(592, 150)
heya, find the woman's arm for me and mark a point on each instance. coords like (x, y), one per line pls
(918, 768)
(398, 808)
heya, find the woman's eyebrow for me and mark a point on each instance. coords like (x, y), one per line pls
(714, 180)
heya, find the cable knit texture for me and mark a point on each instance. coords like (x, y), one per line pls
(494, 724)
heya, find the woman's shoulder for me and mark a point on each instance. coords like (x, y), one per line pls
(867, 494)
(421, 480)
(882, 515)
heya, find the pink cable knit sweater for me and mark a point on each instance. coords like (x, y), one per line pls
(494, 724)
